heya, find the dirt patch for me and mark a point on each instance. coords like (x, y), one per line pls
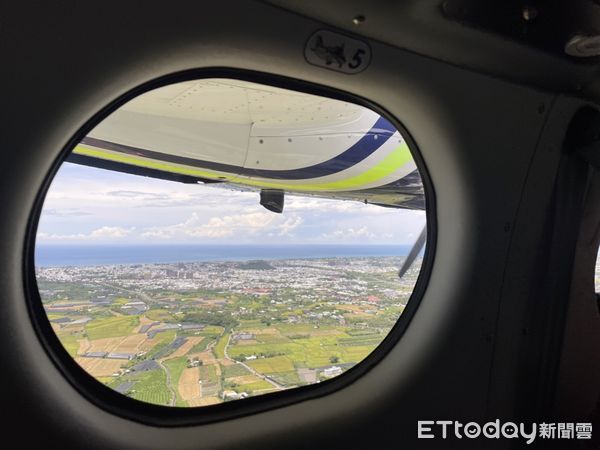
(206, 357)
(189, 388)
(84, 345)
(104, 345)
(205, 401)
(100, 367)
(131, 344)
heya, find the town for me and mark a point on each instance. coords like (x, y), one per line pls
(201, 333)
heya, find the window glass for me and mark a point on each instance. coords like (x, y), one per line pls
(597, 274)
(217, 239)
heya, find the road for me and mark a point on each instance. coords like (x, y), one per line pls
(169, 385)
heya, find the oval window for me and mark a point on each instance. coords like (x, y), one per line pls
(217, 239)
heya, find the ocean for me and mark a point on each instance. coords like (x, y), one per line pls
(97, 255)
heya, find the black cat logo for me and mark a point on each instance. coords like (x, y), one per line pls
(329, 54)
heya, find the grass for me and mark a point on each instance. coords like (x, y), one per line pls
(176, 366)
(69, 342)
(210, 330)
(159, 315)
(111, 327)
(234, 370)
(272, 338)
(290, 378)
(165, 338)
(105, 380)
(272, 365)
(219, 349)
(151, 387)
(201, 346)
(208, 374)
(256, 386)
(367, 340)
(311, 352)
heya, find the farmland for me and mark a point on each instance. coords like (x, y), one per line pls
(194, 334)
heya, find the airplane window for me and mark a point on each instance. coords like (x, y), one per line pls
(217, 239)
(597, 274)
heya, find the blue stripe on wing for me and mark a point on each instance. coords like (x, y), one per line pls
(364, 147)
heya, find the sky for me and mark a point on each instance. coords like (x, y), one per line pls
(94, 206)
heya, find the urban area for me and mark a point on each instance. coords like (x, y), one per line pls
(201, 333)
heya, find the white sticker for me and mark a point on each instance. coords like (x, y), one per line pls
(338, 52)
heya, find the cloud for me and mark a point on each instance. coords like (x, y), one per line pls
(289, 225)
(98, 234)
(350, 234)
(314, 204)
(111, 232)
(66, 212)
(215, 227)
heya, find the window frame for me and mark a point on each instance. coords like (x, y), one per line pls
(170, 416)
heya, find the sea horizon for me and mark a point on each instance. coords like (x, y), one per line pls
(64, 255)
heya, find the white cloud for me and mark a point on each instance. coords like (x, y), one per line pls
(111, 232)
(290, 224)
(98, 234)
(240, 225)
(350, 234)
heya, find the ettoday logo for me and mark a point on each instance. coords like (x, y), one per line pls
(431, 429)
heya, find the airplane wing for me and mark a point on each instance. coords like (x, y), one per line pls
(257, 137)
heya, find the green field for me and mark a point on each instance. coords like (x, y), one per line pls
(201, 346)
(164, 338)
(111, 327)
(176, 366)
(290, 378)
(235, 370)
(219, 349)
(292, 328)
(69, 342)
(159, 315)
(151, 387)
(315, 351)
(271, 365)
(250, 387)
(208, 374)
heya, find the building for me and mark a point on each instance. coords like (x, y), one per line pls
(332, 371)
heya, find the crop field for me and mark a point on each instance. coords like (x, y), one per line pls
(201, 345)
(290, 378)
(160, 341)
(176, 367)
(234, 370)
(99, 367)
(254, 384)
(185, 348)
(271, 365)
(111, 327)
(101, 345)
(275, 330)
(188, 388)
(208, 374)
(219, 349)
(70, 342)
(151, 387)
(159, 315)
(131, 344)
